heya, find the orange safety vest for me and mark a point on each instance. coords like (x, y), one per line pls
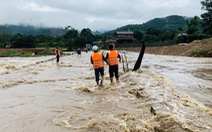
(113, 58)
(57, 52)
(97, 60)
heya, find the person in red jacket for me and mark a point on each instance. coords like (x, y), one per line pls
(113, 58)
(97, 59)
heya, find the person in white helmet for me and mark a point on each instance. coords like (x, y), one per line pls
(97, 59)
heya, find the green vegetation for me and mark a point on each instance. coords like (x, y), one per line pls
(46, 52)
(207, 16)
(164, 29)
(172, 22)
(201, 53)
(156, 32)
(71, 40)
(194, 25)
(12, 53)
(30, 30)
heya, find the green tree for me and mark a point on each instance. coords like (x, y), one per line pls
(167, 35)
(29, 41)
(152, 31)
(4, 40)
(69, 38)
(193, 25)
(86, 36)
(71, 34)
(138, 35)
(22, 41)
(80, 42)
(207, 16)
(70, 44)
(16, 39)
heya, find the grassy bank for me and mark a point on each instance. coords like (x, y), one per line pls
(201, 53)
(22, 53)
(197, 48)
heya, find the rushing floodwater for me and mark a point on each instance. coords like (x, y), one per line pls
(167, 93)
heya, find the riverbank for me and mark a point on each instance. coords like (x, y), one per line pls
(197, 48)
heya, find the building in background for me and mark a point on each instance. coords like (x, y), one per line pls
(124, 36)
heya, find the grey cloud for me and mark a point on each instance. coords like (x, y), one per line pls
(94, 14)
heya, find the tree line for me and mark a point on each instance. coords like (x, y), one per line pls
(156, 30)
(174, 27)
(71, 40)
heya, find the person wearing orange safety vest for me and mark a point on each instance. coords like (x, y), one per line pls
(113, 58)
(57, 53)
(97, 59)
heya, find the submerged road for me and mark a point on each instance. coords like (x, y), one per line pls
(36, 94)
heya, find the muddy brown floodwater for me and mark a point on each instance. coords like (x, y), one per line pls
(167, 93)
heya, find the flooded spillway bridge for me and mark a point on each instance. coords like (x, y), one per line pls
(36, 94)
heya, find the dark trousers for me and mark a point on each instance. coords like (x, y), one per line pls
(97, 72)
(114, 70)
(58, 57)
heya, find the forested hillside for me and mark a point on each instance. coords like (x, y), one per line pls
(30, 30)
(167, 23)
(164, 29)
(173, 22)
(158, 31)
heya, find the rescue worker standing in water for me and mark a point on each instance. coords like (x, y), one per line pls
(113, 58)
(57, 53)
(97, 59)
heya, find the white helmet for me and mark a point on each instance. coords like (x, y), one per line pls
(95, 48)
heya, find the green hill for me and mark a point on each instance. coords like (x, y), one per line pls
(173, 22)
(30, 30)
(168, 23)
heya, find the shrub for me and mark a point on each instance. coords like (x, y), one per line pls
(201, 53)
(46, 52)
(12, 53)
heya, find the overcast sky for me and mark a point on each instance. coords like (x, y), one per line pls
(93, 14)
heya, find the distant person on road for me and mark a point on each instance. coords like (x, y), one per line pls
(86, 49)
(97, 59)
(113, 58)
(57, 53)
(79, 52)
